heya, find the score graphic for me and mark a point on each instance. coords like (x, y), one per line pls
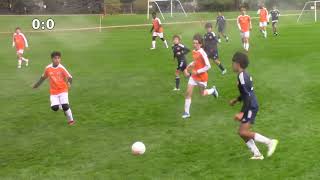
(43, 25)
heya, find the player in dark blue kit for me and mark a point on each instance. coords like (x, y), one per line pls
(274, 14)
(211, 47)
(179, 52)
(249, 109)
(221, 25)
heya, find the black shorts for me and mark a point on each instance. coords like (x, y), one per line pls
(182, 65)
(213, 54)
(249, 116)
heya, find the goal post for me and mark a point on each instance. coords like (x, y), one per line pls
(158, 7)
(310, 6)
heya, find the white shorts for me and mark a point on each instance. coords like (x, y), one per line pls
(20, 51)
(263, 24)
(59, 99)
(245, 34)
(197, 83)
(157, 34)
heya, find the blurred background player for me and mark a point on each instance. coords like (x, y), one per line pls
(20, 42)
(198, 72)
(157, 31)
(60, 81)
(264, 20)
(274, 14)
(221, 25)
(211, 47)
(245, 26)
(249, 109)
(179, 52)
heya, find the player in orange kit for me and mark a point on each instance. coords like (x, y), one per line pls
(198, 73)
(264, 20)
(19, 41)
(157, 31)
(60, 81)
(245, 26)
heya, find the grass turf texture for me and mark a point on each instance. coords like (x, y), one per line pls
(122, 93)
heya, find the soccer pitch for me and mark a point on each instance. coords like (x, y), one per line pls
(122, 93)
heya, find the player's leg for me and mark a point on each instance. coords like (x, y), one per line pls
(218, 62)
(187, 103)
(248, 136)
(21, 51)
(154, 37)
(55, 102)
(163, 39)
(246, 41)
(19, 56)
(64, 101)
(177, 80)
(207, 92)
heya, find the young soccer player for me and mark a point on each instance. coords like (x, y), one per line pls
(221, 25)
(198, 72)
(274, 14)
(211, 47)
(19, 41)
(249, 109)
(60, 81)
(264, 20)
(179, 52)
(245, 26)
(157, 31)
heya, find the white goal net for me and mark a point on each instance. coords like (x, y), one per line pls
(310, 12)
(164, 6)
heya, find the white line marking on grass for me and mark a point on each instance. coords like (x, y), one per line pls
(128, 26)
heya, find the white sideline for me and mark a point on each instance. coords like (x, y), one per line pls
(128, 26)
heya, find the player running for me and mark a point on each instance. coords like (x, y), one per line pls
(264, 20)
(60, 81)
(249, 109)
(274, 14)
(211, 47)
(179, 52)
(245, 26)
(221, 25)
(198, 72)
(19, 41)
(157, 31)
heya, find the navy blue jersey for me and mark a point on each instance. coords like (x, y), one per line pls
(221, 22)
(179, 52)
(275, 14)
(210, 42)
(247, 95)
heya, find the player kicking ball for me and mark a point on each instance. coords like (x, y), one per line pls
(249, 109)
(264, 20)
(19, 41)
(60, 81)
(245, 26)
(179, 53)
(211, 47)
(198, 72)
(157, 31)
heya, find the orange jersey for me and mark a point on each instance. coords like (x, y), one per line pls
(263, 14)
(57, 78)
(201, 65)
(244, 23)
(19, 41)
(157, 25)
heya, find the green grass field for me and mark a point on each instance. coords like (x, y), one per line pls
(122, 93)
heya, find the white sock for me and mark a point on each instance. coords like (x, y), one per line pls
(261, 139)
(253, 148)
(187, 106)
(69, 115)
(165, 43)
(210, 91)
(19, 62)
(246, 46)
(24, 59)
(153, 44)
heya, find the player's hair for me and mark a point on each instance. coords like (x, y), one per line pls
(243, 8)
(242, 59)
(199, 38)
(176, 36)
(208, 25)
(55, 53)
(153, 13)
(18, 28)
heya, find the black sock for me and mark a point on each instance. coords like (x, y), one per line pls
(221, 67)
(177, 82)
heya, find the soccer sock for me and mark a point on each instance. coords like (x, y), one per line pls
(221, 67)
(24, 59)
(165, 43)
(187, 106)
(209, 91)
(246, 46)
(153, 44)
(253, 148)
(69, 114)
(177, 82)
(19, 62)
(261, 139)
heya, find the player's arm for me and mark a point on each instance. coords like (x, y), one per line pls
(186, 50)
(40, 81)
(13, 43)
(188, 68)
(250, 23)
(25, 40)
(152, 28)
(207, 64)
(238, 23)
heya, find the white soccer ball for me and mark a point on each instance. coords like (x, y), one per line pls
(138, 148)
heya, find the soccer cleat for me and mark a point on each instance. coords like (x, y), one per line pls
(176, 89)
(224, 71)
(227, 39)
(185, 115)
(215, 92)
(19, 67)
(255, 157)
(272, 147)
(71, 122)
